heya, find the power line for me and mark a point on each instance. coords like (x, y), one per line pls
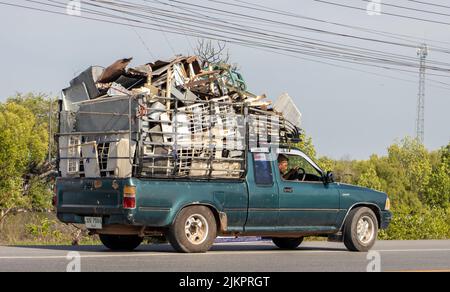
(257, 45)
(340, 48)
(409, 46)
(385, 13)
(168, 42)
(430, 4)
(143, 42)
(350, 55)
(187, 39)
(397, 36)
(444, 86)
(214, 10)
(411, 9)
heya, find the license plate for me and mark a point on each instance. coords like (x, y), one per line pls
(93, 222)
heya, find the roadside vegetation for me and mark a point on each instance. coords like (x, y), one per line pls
(417, 180)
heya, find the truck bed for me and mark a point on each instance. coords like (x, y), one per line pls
(157, 200)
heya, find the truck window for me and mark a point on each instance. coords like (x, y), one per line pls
(263, 169)
(306, 172)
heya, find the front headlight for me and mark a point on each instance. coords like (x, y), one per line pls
(387, 207)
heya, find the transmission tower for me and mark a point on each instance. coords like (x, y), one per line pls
(422, 52)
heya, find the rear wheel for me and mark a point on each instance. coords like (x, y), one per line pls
(360, 230)
(121, 242)
(194, 230)
(287, 243)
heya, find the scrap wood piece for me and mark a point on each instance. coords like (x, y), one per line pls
(147, 89)
(179, 74)
(200, 82)
(250, 98)
(104, 86)
(207, 73)
(263, 104)
(192, 66)
(192, 59)
(160, 67)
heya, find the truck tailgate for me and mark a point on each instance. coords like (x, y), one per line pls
(89, 196)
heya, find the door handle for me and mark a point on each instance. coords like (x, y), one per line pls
(288, 190)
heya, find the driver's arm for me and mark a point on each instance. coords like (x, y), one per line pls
(291, 174)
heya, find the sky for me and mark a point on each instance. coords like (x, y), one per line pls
(349, 114)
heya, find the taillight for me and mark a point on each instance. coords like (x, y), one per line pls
(129, 197)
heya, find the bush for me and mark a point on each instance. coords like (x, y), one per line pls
(44, 230)
(422, 224)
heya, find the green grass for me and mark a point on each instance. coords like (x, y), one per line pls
(40, 229)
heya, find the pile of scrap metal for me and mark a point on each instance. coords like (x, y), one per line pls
(174, 118)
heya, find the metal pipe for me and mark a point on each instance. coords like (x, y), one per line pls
(100, 113)
(92, 133)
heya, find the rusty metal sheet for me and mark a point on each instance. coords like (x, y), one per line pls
(114, 71)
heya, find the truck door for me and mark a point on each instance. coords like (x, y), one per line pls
(306, 202)
(263, 194)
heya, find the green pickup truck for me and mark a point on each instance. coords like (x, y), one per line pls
(191, 213)
(171, 150)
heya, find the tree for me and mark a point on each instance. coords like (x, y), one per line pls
(437, 192)
(212, 53)
(307, 146)
(327, 164)
(412, 161)
(369, 178)
(23, 147)
(40, 105)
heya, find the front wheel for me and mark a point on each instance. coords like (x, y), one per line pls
(360, 230)
(194, 230)
(121, 242)
(287, 243)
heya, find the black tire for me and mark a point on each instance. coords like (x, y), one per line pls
(352, 241)
(121, 242)
(288, 243)
(200, 238)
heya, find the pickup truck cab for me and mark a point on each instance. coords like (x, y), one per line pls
(192, 213)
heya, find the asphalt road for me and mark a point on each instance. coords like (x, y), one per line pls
(234, 257)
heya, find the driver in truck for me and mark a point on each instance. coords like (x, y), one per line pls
(283, 164)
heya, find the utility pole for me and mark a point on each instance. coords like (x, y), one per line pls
(422, 52)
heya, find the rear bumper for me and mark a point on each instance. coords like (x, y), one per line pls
(76, 215)
(107, 219)
(386, 218)
(121, 223)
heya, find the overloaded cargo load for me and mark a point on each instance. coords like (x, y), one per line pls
(169, 119)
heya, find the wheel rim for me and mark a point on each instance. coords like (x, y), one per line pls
(365, 230)
(196, 229)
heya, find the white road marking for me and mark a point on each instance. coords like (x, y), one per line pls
(414, 250)
(212, 253)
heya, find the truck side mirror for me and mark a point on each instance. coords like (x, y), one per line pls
(329, 177)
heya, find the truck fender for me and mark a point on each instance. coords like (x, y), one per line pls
(221, 217)
(374, 207)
